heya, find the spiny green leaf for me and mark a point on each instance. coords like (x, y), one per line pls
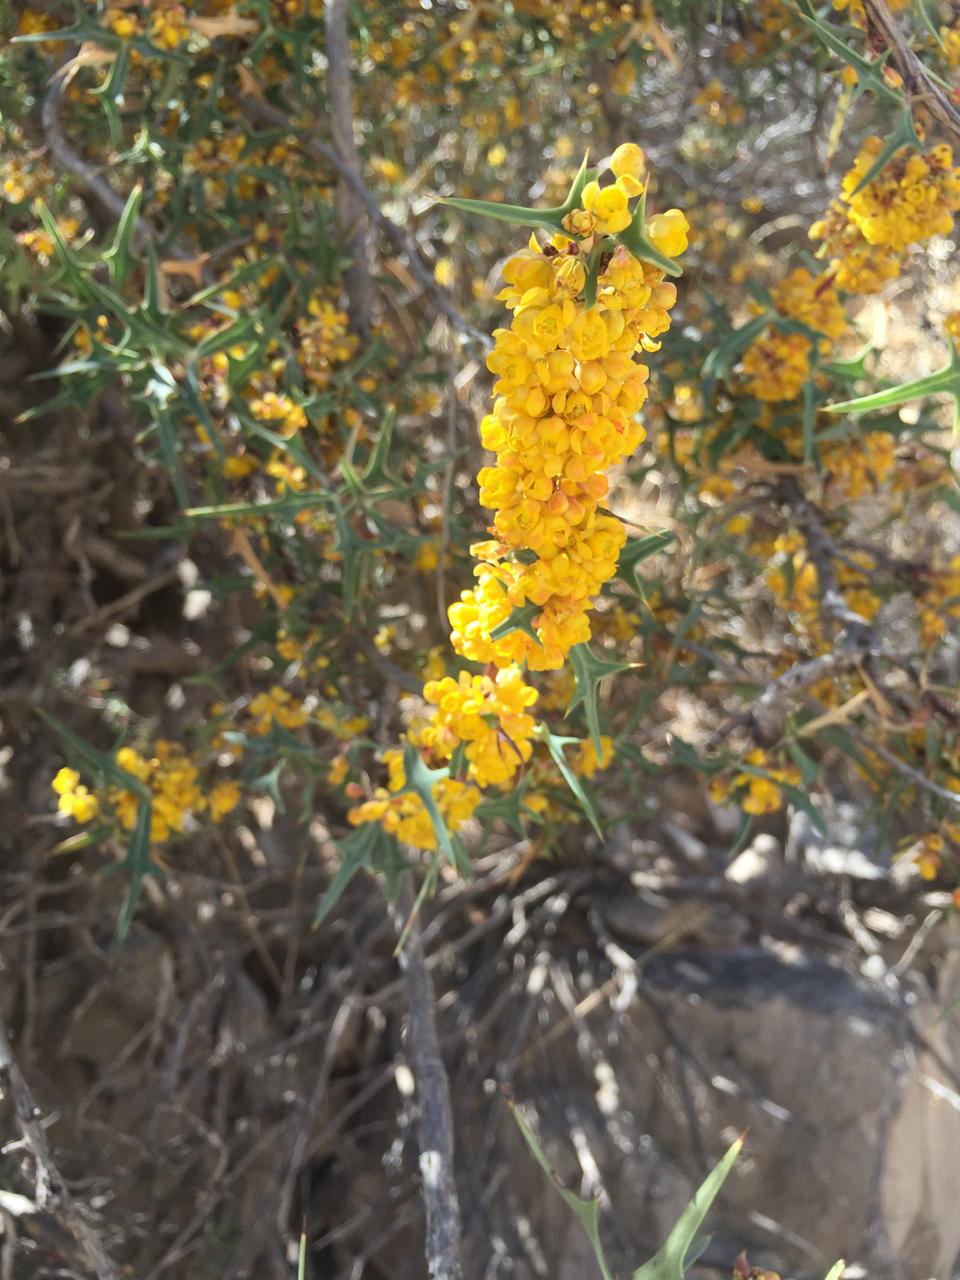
(555, 746)
(636, 550)
(361, 850)
(102, 764)
(376, 468)
(850, 370)
(869, 73)
(521, 619)
(943, 380)
(420, 780)
(120, 255)
(508, 808)
(588, 671)
(718, 361)
(269, 784)
(635, 239)
(549, 219)
(904, 135)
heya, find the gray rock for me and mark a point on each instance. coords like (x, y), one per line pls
(853, 1148)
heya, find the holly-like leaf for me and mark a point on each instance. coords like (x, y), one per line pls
(668, 1262)
(850, 370)
(588, 671)
(364, 849)
(904, 135)
(719, 360)
(636, 550)
(139, 863)
(420, 780)
(100, 763)
(521, 619)
(555, 746)
(376, 468)
(120, 255)
(508, 808)
(869, 73)
(635, 239)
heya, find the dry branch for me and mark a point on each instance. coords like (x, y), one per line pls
(349, 207)
(51, 1190)
(436, 1116)
(917, 82)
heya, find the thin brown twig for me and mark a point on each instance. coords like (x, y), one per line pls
(901, 766)
(249, 919)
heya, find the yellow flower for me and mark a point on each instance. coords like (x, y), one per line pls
(668, 232)
(66, 780)
(627, 161)
(339, 768)
(586, 762)
(608, 207)
(75, 799)
(224, 797)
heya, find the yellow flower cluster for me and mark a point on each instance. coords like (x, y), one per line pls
(755, 794)
(172, 778)
(168, 26)
(913, 198)
(568, 392)
(586, 762)
(939, 602)
(325, 340)
(951, 45)
(124, 24)
(279, 413)
(75, 799)
(861, 463)
(776, 365)
(405, 816)
(928, 854)
(489, 714)
(277, 705)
